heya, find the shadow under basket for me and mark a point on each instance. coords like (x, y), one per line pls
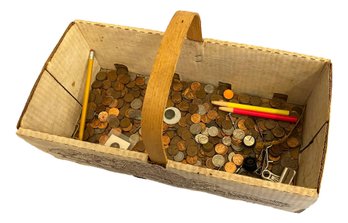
(54, 106)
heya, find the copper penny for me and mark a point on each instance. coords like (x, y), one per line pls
(293, 142)
(221, 149)
(241, 124)
(256, 101)
(103, 138)
(188, 94)
(195, 86)
(193, 109)
(114, 111)
(273, 158)
(102, 125)
(111, 75)
(103, 116)
(181, 145)
(101, 76)
(195, 118)
(183, 106)
(118, 86)
(230, 167)
(176, 97)
(165, 139)
(212, 114)
(177, 86)
(205, 119)
(191, 159)
(226, 124)
(106, 84)
(139, 81)
(238, 159)
(208, 147)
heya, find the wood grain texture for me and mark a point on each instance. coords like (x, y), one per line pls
(183, 24)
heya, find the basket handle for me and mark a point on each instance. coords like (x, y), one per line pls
(183, 24)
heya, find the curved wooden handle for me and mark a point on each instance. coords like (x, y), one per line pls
(183, 24)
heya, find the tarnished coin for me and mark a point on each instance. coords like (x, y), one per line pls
(227, 124)
(238, 134)
(188, 94)
(244, 99)
(195, 128)
(196, 118)
(275, 150)
(218, 160)
(101, 76)
(125, 123)
(172, 150)
(183, 106)
(136, 103)
(249, 123)
(193, 109)
(278, 132)
(221, 149)
(209, 89)
(97, 84)
(238, 159)
(268, 135)
(177, 85)
(113, 121)
(209, 163)
(208, 147)
(106, 84)
(111, 75)
(256, 101)
(293, 142)
(179, 156)
(192, 150)
(176, 97)
(230, 167)
(226, 140)
(213, 131)
(276, 102)
(205, 119)
(270, 124)
(186, 134)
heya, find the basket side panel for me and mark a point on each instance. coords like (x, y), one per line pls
(51, 109)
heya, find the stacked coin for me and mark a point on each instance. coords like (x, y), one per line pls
(201, 134)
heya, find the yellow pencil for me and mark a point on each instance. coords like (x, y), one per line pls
(86, 94)
(251, 107)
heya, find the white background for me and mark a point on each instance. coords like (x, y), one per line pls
(35, 187)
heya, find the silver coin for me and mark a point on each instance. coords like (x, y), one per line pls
(179, 156)
(136, 103)
(238, 134)
(230, 155)
(213, 131)
(209, 88)
(134, 139)
(203, 139)
(218, 160)
(201, 110)
(226, 140)
(197, 138)
(195, 128)
(228, 131)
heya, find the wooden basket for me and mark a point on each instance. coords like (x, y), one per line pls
(50, 115)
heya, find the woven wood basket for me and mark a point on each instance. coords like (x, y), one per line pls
(53, 108)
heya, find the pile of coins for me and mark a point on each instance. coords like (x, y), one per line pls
(114, 106)
(198, 133)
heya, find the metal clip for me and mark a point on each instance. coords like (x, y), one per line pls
(287, 175)
(268, 175)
